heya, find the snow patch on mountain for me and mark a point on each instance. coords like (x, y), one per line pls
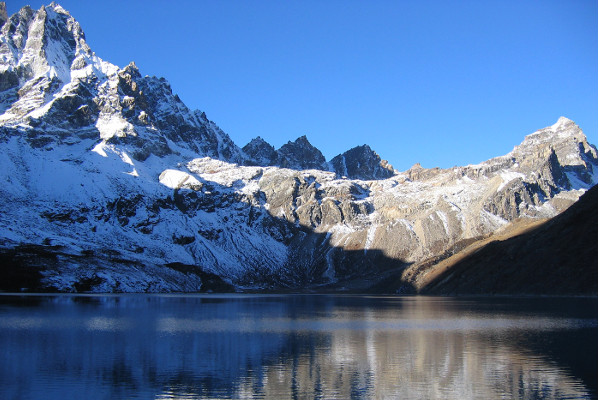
(509, 176)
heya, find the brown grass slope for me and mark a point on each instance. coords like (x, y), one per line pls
(558, 257)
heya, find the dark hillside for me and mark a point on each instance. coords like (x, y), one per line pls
(560, 257)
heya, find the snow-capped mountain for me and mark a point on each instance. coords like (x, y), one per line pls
(110, 183)
(55, 88)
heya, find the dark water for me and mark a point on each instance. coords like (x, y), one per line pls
(314, 346)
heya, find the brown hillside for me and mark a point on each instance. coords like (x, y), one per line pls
(559, 256)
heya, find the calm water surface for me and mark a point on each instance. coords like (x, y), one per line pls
(296, 347)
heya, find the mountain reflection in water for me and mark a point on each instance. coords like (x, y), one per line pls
(305, 346)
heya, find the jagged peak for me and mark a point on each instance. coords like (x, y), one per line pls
(259, 152)
(563, 122)
(300, 154)
(257, 140)
(563, 129)
(365, 148)
(13, 25)
(301, 140)
(43, 43)
(132, 69)
(356, 150)
(57, 8)
(258, 143)
(361, 162)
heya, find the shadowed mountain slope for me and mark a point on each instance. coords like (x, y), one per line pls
(557, 257)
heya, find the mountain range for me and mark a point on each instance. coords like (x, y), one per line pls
(111, 184)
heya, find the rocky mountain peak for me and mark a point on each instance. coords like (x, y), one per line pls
(563, 130)
(361, 162)
(260, 152)
(57, 8)
(132, 70)
(43, 43)
(300, 154)
(560, 144)
(40, 53)
(563, 122)
(53, 86)
(302, 140)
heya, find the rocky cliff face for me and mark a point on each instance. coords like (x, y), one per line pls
(113, 179)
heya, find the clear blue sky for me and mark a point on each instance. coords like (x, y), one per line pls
(442, 83)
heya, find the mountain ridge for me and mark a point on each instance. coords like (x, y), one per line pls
(122, 187)
(67, 68)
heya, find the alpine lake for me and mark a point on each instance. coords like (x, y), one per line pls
(255, 346)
